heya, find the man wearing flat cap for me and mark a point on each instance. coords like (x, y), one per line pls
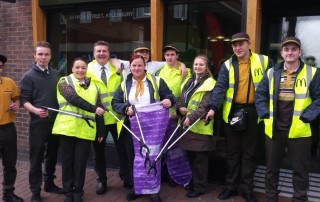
(235, 89)
(9, 105)
(288, 99)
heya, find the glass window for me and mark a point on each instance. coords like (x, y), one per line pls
(203, 27)
(72, 33)
(303, 27)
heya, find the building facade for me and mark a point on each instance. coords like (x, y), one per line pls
(193, 26)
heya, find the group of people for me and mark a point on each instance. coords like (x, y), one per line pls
(76, 112)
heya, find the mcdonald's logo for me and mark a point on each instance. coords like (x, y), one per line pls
(301, 82)
(257, 72)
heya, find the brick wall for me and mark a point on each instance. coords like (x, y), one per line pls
(16, 43)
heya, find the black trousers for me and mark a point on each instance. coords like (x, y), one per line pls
(199, 164)
(299, 151)
(74, 162)
(241, 149)
(8, 149)
(43, 147)
(100, 160)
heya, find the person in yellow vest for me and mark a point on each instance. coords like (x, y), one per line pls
(236, 85)
(105, 76)
(192, 103)
(173, 77)
(288, 99)
(141, 89)
(77, 94)
(9, 105)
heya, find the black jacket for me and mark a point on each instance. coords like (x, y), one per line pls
(262, 97)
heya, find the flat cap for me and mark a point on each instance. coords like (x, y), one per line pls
(140, 48)
(240, 36)
(291, 39)
(170, 47)
(3, 59)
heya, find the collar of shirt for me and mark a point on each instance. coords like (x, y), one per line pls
(98, 69)
(42, 69)
(134, 82)
(295, 70)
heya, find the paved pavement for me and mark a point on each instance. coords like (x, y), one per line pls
(116, 193)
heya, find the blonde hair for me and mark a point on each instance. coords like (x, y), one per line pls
(206, 61)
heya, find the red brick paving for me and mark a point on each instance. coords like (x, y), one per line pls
(116, 193)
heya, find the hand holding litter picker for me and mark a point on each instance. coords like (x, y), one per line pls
(165, 149)
(142, 144)
(142, 136)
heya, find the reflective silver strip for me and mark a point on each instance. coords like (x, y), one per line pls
(271, 114)
(229, 99)
(103, 95)
(270, 76)
(256, 84)
(70, 82)
(107, 104)
(154, 79)
(196, 103)
(112, 93)
(300, 96)
(261, 57)
(231, 85)
(89, 116)
(297, 113)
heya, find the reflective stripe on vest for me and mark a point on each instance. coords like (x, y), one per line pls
(74, 126)
(194, 103)
(258, 65)
(301, 101)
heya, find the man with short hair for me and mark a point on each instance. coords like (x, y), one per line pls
(288, 99)
(104, 73)
(9, 104)
(38, 88)
(236, 86)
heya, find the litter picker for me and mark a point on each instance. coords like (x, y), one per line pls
(165, 149)
(86, 118)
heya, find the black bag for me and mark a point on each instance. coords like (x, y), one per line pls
(238, 120)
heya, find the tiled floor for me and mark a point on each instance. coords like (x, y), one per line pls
(116, 193)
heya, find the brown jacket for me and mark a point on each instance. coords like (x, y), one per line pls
(195, 141)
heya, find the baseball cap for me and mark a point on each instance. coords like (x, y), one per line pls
(291, 39)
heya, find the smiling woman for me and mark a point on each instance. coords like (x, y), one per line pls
(79, 69)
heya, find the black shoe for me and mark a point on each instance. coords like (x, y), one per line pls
(226, 193)
(193, 194)
(11, 197)
(36, 197)
(52, 188)
(132, 196)
(101, 188)
(249, 197)
(189, 187)
(156, 199)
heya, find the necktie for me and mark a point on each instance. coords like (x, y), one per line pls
(103, 75)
